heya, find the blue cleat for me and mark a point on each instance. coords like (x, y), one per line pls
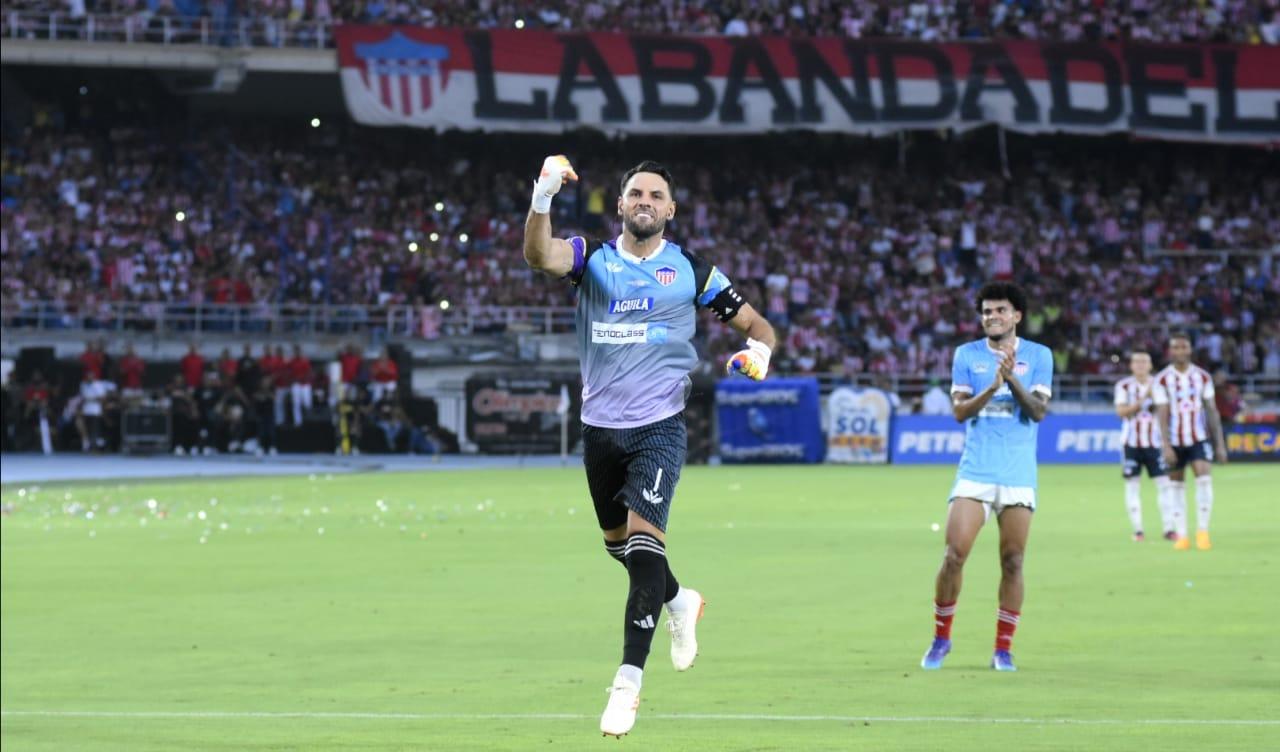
(932, 660)
(1001, 660)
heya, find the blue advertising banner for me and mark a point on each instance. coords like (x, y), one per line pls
(926, 440)
(778, 420)
(1071, 439)
(1253, 442)
(1080, 439)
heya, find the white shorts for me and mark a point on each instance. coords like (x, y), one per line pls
(994, 498)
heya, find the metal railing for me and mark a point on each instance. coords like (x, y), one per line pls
(1068, 389)
(406, 322)
(1222, 254)
(269, 320)
(148, 28)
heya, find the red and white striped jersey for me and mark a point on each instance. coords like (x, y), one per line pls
(1140, 429)
(1184, 392)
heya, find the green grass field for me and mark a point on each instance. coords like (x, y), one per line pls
(478, 611)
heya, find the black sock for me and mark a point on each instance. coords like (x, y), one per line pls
(617, 550)
(646, 566)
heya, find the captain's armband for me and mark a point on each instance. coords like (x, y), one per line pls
(726, 303)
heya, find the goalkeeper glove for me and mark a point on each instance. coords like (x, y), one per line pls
(752, 362)
(555, 169)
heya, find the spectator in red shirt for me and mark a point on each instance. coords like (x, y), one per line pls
(267, 362)
(227, 366)
(220, 290)
(301, 375)
(351, 362)
(92, 360)
(36, 395)
(1227, 397)
(131, 369)
(192, 365)
(384, 373)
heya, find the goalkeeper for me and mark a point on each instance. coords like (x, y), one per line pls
(637, 299)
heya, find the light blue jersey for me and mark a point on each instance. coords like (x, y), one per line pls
(636, 320)
(1000, 441)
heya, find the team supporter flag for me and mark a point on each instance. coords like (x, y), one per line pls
(544, 81)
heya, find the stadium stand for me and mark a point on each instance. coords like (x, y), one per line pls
(127, 213)
(143, 215)
(1238, 21)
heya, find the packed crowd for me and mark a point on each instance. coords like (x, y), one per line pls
(1240, 21)
(866, 264)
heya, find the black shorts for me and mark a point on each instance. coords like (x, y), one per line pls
(1201, 450)
(634, 468)
(1136, 458)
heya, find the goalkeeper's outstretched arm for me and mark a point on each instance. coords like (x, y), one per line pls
(541, 251)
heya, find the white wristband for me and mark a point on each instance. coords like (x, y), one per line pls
(541, 202)
(759, 348)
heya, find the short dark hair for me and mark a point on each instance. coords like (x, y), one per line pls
(1180, 334)
(649, 166)
(1002, 291)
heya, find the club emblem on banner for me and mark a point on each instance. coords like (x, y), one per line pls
(406, 76)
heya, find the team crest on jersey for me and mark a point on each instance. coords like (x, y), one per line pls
(1021, 367)
(628, 305)
(665, 275)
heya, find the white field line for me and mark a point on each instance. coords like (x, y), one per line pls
(235, 715)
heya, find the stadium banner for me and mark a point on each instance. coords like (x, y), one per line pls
(496, 80)
(778, 420)
(1067, 439)
(858, 426)
(520, 413)
(926, 440)
(1253, 442)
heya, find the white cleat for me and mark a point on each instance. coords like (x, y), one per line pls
(620, 714)
(682, 623)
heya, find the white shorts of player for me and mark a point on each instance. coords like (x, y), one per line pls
(994, 498)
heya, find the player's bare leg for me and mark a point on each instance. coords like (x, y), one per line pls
(965, 518)
(1204, 502)
(1015, 526)
(638, 524)
(1178, 509)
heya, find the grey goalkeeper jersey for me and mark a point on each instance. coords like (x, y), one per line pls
(636, 320)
